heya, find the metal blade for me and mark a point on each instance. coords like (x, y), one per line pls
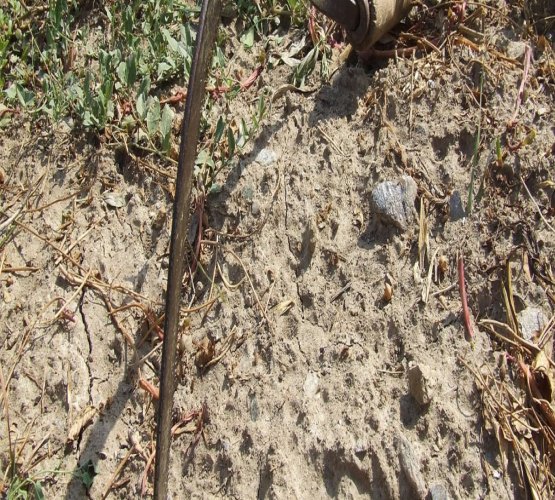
(344, 12)
(206, 36)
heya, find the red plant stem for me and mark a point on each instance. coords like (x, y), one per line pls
(147, 386)
(248, 82)
(462, 291)
(178, 97)
(311, 26)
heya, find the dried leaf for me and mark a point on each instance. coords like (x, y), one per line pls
(443, 265)
(284, 307)
(206, 351)
(531, 483)
(543, 375)
(547, 411)
(503, 445)
(81, 423)
(190, 427)
(423, 241)
(521, 428)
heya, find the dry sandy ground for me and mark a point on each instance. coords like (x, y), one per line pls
(311, 398)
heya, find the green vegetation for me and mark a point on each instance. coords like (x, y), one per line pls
(117, 71)
(114, 70)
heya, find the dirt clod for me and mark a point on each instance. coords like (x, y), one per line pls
(420, 384)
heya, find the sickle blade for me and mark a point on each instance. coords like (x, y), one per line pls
(206, 36)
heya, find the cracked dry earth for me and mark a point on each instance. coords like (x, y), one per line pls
(311, 397)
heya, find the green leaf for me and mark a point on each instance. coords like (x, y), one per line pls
(122, 72)
(86, 474)
(142, 95)
(215, 189)
(153, 116)
(25, 96)
(204, 158)
(305, 67)
(11, 93)
(230, 142)
(247, 39)
(220, 127)
(109, 15)
(140, 106)
(243, 135)
(172, 42)
(166, 127)
(128, 122)
(128, 20)
(39, 493)
(163, 68)
(131, 68)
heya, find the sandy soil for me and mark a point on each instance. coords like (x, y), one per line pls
(311, 397)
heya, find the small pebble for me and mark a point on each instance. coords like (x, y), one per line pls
(438, 492)
(255, 208)
(393, 202)
(266, 157)
(516, 50)
(531, 321)
(456, 209)
(310, 386)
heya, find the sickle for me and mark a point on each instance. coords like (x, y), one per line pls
(206, 37)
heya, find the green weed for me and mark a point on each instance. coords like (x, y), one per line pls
(476, 154)
(113, 69)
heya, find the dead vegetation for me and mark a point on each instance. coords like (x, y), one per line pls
(509, 192)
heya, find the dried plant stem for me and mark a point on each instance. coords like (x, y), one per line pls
(118, 471)
(537, 206)
(462, 291)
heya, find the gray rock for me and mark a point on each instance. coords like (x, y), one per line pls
(531, 321)
(516, 50)
(255, 208)
(266, 157)
(393, 202)
(410, 467)
(456, 208)
(66, 125)
(438, 492)
(310, 386)
(420, 384)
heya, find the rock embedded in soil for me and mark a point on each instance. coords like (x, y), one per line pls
(438, 492)
(410, 467)
(531, 321)
(516, 50)
(310, 385)
(456, 209)
(266, 157)
(393, 202)
(420, 384)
